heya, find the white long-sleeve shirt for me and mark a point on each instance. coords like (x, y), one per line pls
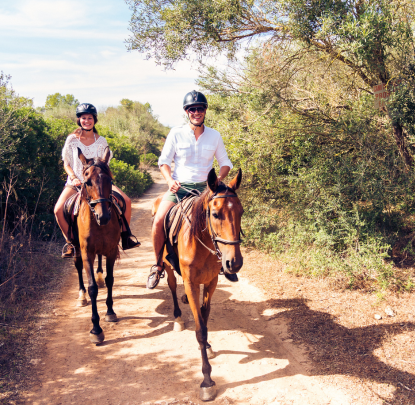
(70, 154)
(193, 159)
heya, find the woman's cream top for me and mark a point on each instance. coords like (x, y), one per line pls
(70, 154)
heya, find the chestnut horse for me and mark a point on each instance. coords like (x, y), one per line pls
(99, 233)
(212, 233)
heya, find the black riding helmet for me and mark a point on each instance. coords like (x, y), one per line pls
(86, 108)
(193, 98)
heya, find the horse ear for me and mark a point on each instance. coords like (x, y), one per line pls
(212, 180)
(107, 155)
(236, 181)
(82, 158)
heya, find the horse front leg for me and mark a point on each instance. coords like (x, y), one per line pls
(81, 301)
(172, 282)
(208, 386)
(110, 316)
(100, 273)
(208, 290)
(96, 334)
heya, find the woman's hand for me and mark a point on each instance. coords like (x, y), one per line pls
(76, 182)
(174, 185)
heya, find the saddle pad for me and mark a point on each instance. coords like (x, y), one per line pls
(174, 218)
(71, 207)
(119, 202)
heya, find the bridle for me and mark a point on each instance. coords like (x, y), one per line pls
(93, 203)
(213, 235)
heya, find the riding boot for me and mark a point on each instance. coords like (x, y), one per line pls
(127, 242)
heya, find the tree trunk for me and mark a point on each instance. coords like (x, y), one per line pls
(400, 142)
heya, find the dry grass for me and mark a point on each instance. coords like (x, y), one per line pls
(25, 299)
(374, 360)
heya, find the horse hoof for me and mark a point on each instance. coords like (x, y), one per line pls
(210, 353)
(97, 338)
(207, 393)
(82, 302)
(100, 280)
(184, 299)
(111, 318)
(178, 324)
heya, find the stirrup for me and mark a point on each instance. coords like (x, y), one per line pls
(65, 248)
(161, 272)
(128, 240)
(155, 276)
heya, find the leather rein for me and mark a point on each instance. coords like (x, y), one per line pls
(213, 235)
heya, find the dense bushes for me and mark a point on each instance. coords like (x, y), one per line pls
(31, 169)
(329, 194)
(130, 180)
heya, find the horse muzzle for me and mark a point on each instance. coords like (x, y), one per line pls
(232, 265)
(103, 219)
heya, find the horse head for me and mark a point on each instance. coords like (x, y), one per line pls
(97, 185)
(223, 215)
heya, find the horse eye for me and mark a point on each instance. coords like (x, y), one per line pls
(215, 215)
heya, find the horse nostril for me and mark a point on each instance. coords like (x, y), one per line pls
(228, 264)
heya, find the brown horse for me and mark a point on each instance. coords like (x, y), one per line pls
(213, 233)
(99, 233)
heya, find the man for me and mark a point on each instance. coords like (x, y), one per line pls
(192, 147)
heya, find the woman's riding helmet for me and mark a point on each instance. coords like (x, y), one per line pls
(193, 98)
(86, 108)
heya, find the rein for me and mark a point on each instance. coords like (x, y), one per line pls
(213, 235)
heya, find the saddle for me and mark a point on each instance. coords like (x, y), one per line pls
(173, 222)
(71, 211)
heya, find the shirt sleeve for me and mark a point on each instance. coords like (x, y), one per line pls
(168, 152)
(67, 152)
(221, 155)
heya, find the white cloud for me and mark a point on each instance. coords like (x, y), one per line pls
(45, 45)
(62, 19)
(104, 80)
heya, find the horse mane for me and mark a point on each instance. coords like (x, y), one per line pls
(198, 221)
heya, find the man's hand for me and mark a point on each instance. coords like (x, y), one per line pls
(76, 182)
(174, 185)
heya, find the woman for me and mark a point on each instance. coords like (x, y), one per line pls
(92, 145)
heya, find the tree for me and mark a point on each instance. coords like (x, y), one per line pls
(12, 123)
(372, 40)
(57, 99)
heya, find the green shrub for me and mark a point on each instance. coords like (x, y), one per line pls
(130, 180)
(149, 159)
(121, 146)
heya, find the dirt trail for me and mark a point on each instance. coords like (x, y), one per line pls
(144, 361)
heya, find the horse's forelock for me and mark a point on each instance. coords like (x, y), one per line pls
(98, 162)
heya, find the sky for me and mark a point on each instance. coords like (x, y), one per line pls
(78, 47)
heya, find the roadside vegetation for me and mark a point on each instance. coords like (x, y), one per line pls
(31, 179)
(328, 178)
